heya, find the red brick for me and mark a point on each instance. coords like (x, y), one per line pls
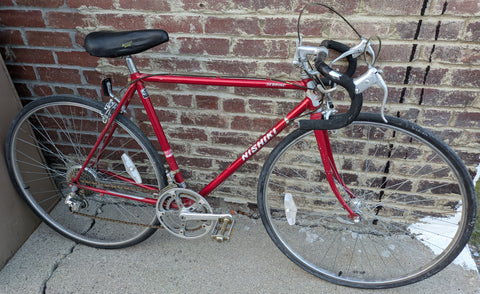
(345, 7)
(231, 138)
(158, 100)
(32, 56)
(11, 37)
(252, 124)
(261, 48)
(468, 119)
(232, 26)
(279, 26)
(282, 70)
(473, 31)
(22, 18)
(194, 162)
(183, 133)
(64, 90)
(89, 93)
(59, 75)
(436, 118)
(209, 46)
(211, 151)
(150, 5)
(405, 29)
(163, 115)
(42, 90)
(93, 77)
(161, 64)
(261, 92)
(399, 53)
(458, 7)
(177, 23)
(66, 20)
(105, 4)
(41, 3)
(22, 90)
(121, 21)
(450, 30)
(182, 100)
(22, 72)
(256, 5)
(469, 158)
(234, 68)
(260, 106)
(428, 30)
(234, 105)
(218, 5)
(5, 3)
(394, 7)
(48, 39)
(207, 102)
(201, 119)
(76, 58)
(467, 78)
(394, 75)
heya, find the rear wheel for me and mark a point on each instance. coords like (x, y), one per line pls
(414, 195)
(46, 146)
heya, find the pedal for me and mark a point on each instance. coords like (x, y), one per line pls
(223, 229)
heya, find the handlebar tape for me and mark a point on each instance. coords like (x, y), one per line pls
(339, 120)
(342, 48)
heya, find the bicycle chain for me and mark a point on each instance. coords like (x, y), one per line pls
(116, 220)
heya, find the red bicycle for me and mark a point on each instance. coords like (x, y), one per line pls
(359, 199)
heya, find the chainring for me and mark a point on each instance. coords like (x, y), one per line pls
(174, 201)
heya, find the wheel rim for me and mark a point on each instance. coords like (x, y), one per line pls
(370, 253)
(62, 159)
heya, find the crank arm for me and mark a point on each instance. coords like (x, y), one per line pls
(186, 216)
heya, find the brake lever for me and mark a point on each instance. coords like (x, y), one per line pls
(373, 77)
(356, 51)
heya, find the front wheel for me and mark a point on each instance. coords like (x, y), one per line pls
(413, 194)
(47, 145)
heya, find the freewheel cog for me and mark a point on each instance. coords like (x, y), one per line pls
(88, 177)
(175, 201)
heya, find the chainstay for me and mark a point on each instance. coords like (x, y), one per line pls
(107, 185)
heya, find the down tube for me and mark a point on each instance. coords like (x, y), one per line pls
(250, 152)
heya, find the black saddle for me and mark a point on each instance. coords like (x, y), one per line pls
(116, 44)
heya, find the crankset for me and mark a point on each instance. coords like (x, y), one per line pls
(188, 215)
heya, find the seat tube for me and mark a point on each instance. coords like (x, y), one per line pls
(162, 139)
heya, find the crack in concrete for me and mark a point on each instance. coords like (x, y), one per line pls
(55, 266)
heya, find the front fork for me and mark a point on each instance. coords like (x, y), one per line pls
(333, 176)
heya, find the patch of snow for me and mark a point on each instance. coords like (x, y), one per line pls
(436, 231)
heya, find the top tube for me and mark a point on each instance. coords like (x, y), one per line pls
(226, 82)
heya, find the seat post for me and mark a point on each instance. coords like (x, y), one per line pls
(131, 65)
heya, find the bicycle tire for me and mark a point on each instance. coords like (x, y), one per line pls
(46, 145)
(406, 182)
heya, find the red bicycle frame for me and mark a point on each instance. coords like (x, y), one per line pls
(138, 86)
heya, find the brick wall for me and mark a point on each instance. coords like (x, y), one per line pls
(430, 58)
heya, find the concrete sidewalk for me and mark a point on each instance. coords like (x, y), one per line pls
(250, 263)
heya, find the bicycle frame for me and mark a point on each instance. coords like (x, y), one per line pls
(138, 85)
